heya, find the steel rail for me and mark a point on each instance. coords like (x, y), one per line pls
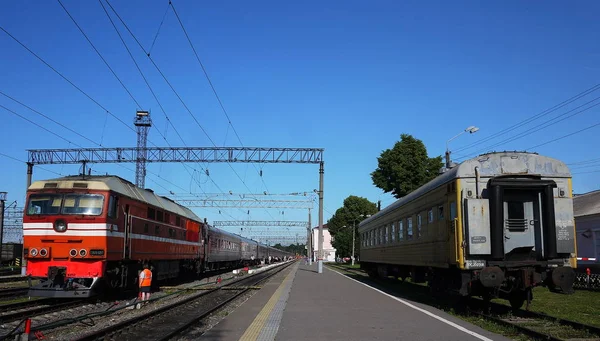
(134, 325)
(13, 292)
(49, 306)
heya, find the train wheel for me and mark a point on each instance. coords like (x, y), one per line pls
(517, 298)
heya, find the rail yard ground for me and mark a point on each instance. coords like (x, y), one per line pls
(577, 307)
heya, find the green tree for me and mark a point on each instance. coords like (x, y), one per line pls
(341, 224)
(405, 167)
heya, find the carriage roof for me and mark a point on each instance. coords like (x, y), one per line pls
(118, 185)
(489, 165)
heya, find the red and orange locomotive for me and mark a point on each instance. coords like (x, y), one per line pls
(83, 234)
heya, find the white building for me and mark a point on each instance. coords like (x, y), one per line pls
(328, 250)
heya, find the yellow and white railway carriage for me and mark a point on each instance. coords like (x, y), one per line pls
(494, 226)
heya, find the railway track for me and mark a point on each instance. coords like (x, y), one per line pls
(13, 292)
(21, 310)
(13, 279)
(171, 320)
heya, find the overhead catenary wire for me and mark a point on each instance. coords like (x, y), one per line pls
(156, 99)
(66, 79)
(175, 91)
(113, 72)
(100, 55)
(214, 90)
(39, 126)
(25, 162)
(48, 118)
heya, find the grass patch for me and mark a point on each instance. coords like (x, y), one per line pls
(582, 306)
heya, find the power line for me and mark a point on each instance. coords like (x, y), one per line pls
(531, 119)
(544, 126)
(214, 90)
(159, 26)
(565, 136)
(15, 159)
(100, 55)
(49, 118)
(39, 126)
(66, 79)
(174, 91)
(584, 162)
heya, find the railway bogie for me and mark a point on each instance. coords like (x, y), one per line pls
(493, 226)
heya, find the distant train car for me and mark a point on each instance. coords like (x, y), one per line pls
(86, 234)
(493, 226)
(224, 249)
(587, 221)
(11, 252)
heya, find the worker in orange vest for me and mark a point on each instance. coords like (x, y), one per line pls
(145, 280)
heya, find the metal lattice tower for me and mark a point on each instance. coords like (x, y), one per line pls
(143, 123)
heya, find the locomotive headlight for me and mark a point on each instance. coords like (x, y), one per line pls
(60, 226)
(43, 252)
(33, 252)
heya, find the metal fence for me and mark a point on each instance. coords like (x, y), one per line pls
(585, 282)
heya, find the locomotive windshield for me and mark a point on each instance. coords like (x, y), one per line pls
(85, 204)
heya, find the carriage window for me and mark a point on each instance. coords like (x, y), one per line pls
(178, 221)
(113, 211)
(452, 210)
(441, 212)
(419, 224)
(430, 215)
(387, 231)
(85, 204)
(159, 215)
(393, 232)
(146, 228)
(409, 229)
(516, 210)
(156, 229)
(44, 204)
(151, 213)
(400, 230)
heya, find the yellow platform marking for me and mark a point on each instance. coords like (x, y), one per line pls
(257, 325)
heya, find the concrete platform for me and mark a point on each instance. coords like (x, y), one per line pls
(300, 304)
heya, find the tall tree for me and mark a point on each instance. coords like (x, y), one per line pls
(345, 220)
(405, 167)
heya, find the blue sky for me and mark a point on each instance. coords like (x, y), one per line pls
(347, 76)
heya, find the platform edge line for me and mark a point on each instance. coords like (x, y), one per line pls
(426, 312)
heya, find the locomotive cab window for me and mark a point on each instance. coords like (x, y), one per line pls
(44, 204)
(85, 204)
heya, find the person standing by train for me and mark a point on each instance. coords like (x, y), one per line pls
(145, 279)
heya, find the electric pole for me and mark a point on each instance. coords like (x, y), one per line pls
(2, 201)
(143, 123)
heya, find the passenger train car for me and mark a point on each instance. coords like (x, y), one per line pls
(86, 234)
(493, 226)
